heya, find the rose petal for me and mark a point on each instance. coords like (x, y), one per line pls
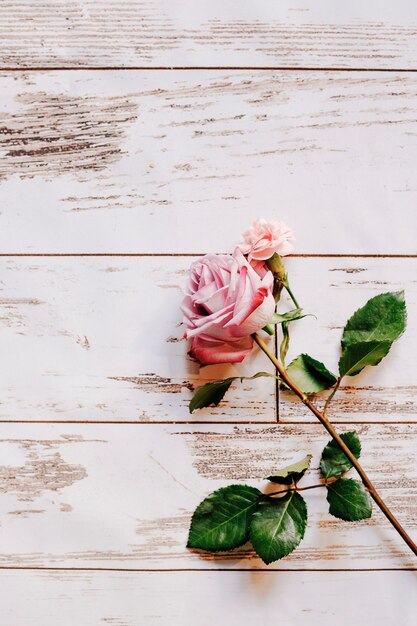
(210, 352)
(264, 238)
(226, 300)
(260, 317)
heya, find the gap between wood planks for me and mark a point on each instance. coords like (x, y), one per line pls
(193, 254)
(205, 422)
(191, 569)
(182, 68)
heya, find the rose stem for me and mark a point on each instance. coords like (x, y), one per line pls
(280, 493)
(330, 429)
(290, 293)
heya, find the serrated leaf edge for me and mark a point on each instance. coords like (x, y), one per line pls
(342, 436)
(304, 526)
(224, 548)
(345, 519)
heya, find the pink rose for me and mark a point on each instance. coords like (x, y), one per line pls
(264, 238)
(225, 302)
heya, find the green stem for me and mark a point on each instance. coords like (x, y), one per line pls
(290, 293)
(330, 429)
(279, 493)
(330, 396)
(285, 343)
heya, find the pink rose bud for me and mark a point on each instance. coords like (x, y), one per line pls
(264, 239)
(226, 301)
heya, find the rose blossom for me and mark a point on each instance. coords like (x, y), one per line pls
(264, 238)
(225, 302)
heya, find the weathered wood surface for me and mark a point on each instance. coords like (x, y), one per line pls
(114, 496)
(332, 290)
(157, 162)
(99, 339)
(153, 162)
(209, 598)
(149, 33)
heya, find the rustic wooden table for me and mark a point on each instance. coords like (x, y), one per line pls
(135, 135)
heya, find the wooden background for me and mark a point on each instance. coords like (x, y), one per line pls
(135, 135)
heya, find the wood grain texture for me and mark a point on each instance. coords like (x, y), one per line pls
(122, 497)
(98, 339)
(146, 162)
(149, 33)
(161, 598)
(332, 290)
(101, 339)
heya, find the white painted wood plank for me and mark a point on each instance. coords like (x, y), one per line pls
(101, 339)
(209, 598)
(150, 33)
(332, 290)
(98, 339)
(157, 161)
(110, 496)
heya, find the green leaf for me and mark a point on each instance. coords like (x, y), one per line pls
(278, 525)
(210, 393)
(283, 348)
(334, 461)
(359, 355)
(349, 500)
(290, 316)
(370, 332)
(310, 375)
(382, 318)
(291, 473)
(222, 520)
(213, 393)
